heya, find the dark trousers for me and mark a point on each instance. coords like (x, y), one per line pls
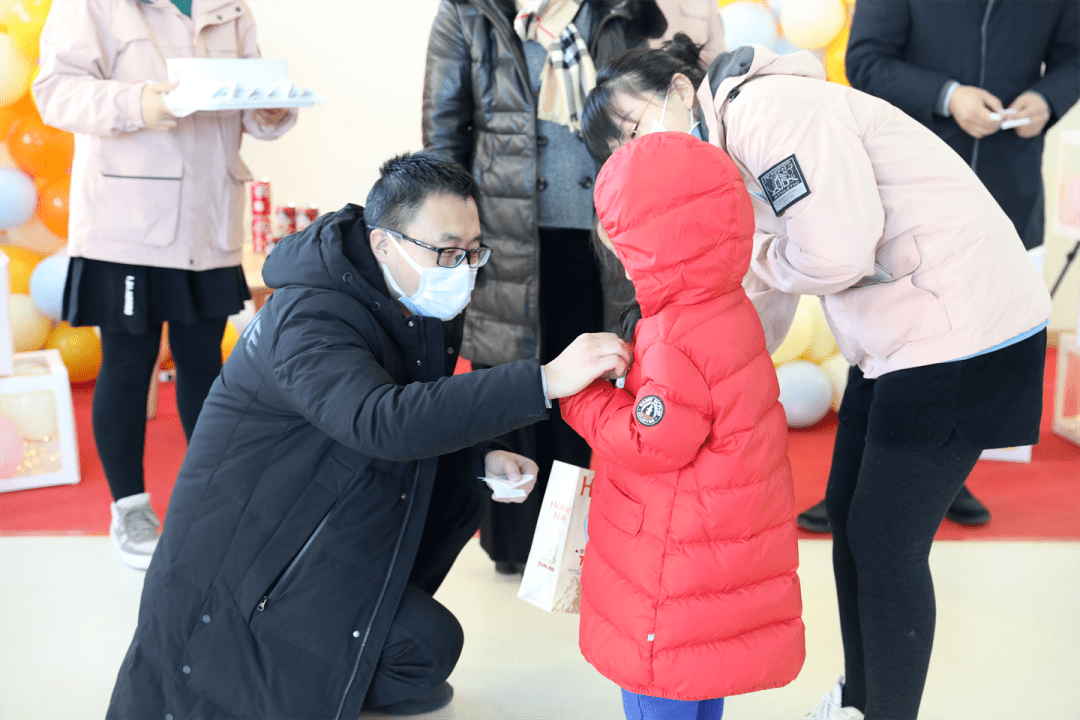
(571, 303)
(425, 639)
(885, 504)
(119, 409)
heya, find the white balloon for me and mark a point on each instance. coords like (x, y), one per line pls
(747, 23)
(32, 413)
(805, 392)
(812, 24)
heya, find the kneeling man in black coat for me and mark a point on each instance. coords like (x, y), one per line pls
(331, 480)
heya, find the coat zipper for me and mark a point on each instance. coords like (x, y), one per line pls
(270, 590)
(982, 73)
(382, 592)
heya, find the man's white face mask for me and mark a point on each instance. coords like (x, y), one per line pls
(443, 292)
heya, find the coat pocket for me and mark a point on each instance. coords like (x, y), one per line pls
(136, 194)
(619, 509)
(880, 318)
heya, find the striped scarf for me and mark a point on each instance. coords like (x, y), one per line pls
(568, 74)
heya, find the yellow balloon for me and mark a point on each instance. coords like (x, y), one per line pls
(228, 342)
(812, 24)
(798, 338)
(837, 369)
(835, 58)
(80, 349)
(21, 264)
(32, 413)
(822, 344)
(16, 74)
(24, 21)
(29, 328)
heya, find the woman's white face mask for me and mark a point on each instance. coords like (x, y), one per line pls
(443, 292)
(658, 125)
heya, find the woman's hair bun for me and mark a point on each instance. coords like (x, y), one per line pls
(683, 49)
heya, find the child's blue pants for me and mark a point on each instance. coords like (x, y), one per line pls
(645, 707)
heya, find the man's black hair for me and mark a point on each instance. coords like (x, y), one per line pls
(405, 183)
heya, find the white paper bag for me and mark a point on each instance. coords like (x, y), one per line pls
(552, 578)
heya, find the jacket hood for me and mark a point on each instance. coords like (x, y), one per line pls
(331, 254)
(730, 69)
(679, 217)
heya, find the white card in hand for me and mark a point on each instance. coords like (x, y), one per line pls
(505, 489)
(1010, 124)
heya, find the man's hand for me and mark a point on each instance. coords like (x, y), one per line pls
(269, 117)
(971, 107)
(155, 115)
(590, 356)
(1030, 105)
(499, 463)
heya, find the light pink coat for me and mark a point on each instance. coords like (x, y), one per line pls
(883, 189)
(166, 199)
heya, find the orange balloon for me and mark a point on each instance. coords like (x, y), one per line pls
(228, 342)
(52, 207)
(24, 107)
(21, 263)
(39, 149)
(80, 349)
(165, 352)
(835, 58)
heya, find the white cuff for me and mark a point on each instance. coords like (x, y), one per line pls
(543, 379)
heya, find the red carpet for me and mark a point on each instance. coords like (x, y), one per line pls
(1040, 500)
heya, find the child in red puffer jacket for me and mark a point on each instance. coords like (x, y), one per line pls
(689, 585)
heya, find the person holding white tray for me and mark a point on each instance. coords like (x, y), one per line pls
(156, 213)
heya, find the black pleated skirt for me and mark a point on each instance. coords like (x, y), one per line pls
(137, 298)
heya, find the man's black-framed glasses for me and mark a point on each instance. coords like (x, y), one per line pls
(449, 257)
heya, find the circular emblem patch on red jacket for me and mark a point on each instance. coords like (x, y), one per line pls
(650, 410)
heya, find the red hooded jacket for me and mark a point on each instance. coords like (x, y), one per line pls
(689, 585)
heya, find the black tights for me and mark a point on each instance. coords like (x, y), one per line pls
(124, 381)
(885, 505)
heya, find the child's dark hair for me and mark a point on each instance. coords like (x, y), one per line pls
(642, 72)
(612, 270)
(405, 183)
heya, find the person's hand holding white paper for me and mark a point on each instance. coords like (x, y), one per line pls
(510, 476)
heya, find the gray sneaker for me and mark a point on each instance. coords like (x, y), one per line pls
(135, 530)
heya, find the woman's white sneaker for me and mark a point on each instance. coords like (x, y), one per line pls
(135, 530)
(830, 709)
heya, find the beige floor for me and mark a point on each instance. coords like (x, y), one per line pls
(1008, 643)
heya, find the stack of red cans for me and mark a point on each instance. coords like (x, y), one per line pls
(306, 216)
(261, 227)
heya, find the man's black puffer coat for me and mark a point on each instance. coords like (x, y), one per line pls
(295, 519)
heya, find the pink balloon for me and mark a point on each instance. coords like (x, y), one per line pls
(1069, 209)
(11, 448)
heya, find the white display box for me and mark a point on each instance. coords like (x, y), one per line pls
(36, 398)
(1067, 389)
(7, 342)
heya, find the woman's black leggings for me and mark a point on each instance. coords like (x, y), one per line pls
(122, 385)
(885, 505)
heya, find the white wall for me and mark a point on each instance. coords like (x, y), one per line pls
(366, 57)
